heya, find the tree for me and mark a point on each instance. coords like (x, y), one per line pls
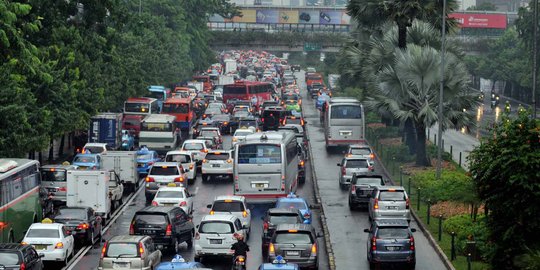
(485, 6)
(507, 183)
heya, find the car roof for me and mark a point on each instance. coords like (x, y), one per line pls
(391, 222)
(58, 166)
(219, 217)
(46, 226)
(400, 188)
(96, 144)
(13, 246)
(210, 128)
(359, 146)
(194, 141)
(127, 238)
(178, 152)
(156, 209)
(230, 197)
(171, 188)
(219, 152)
(283, 210)
(168, 164)
(298, 227)
(354, 157)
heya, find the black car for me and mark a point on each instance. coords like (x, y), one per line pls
(361, 188)
(391, 241)
(222, 121)
(15, 256)
(272, 116)
(274, 217)
(169, 226)
(82, 222)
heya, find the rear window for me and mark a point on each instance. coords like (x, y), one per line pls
(393, 233)
(216, 227)
(356, 163)
(222, 206)
(259, 154)
(124, 250)
(242, 133)
(369, 181)
(360, 151)
(154, 219)
(208, 133)
(53, 176)
(284, 219)
(72, 213)
(82, 159)
(293, 238)
(215, 156)
(297, 205)
(164, 170)
(392, 196)
(9, 258)
(170, 194)
(94, 149)
(193, 146)
(43, 233)
(178, 158)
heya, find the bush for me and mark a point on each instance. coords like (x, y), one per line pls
(464, 227)
(400, 152)
(453, 186)
(386, 132)
(431, 151)
(372, 117)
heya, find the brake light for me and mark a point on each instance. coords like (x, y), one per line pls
(241, 259)
(314, 250)
(204, 161)
(141, 248)
(149, 179)
(83, 226)
(407, 203)
(411, 243)
(271, 249)
(62, 189)
(104, 250)
(197, 236)
(282, 187)
(23, 266)
(131, 229)
(307, 215)
(353, 188)
(374, 243)
(150, 163)
(184, 203)
(376, 204)
(59, 245)
(343, 170)
(205, 150)
(244, 213)
(302, 163)
(154, 203)
(265, 227)
(168, 230)
(179, 179)
(372, 156)
(229, 160)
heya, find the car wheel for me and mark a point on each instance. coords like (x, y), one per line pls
(197, 259)
(90, 241)
(351, 206)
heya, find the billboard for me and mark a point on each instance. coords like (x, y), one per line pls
(289, 16)
(248, 16)
(478, 20)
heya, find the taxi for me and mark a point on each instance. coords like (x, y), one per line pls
(87, 161)
(172, 195)
(178, 262)
(145, 159)
(293, 201)
(279, 264)
(51, 240)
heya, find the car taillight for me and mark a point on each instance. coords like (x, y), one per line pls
(191, 166)
(374, 243)
(197, 236)
(23, 266)
(205, 150)
(371, 168)
(154, 203)
(282, 187)
(62, 189)
(149, 179)
(131, 229)
(229, 160)
(265, 227)
(302, 163)
(411, 243)
(271, 249)
(168, 230)
(212, 212)
(141, 248)
(343, 170)
(244, 213)
(307, 216)
(372, 156)
(179, 179)
(314, 250)
(353, 188)
(376, 204)
(150, 163)
(184, 203)
(104, 250)
(407, 203)
(59, 245)
(83, 226)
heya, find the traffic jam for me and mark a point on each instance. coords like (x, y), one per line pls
(238, 127)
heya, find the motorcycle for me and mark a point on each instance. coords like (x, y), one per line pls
(239, 263)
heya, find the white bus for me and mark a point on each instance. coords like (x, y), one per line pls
(266, 166)
(344, 122)
(158, 132)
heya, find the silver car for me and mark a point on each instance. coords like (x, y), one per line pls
(361, 151)
(217, 163)
(129, 252)
(389, 202)
(350, 166)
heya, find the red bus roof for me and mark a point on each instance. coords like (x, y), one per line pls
(181, 88)
(176, 100)
(141, 99)
(247, 83)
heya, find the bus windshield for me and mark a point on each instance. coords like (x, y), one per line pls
(259, 154)
(346, 112)
(175, 108)
(136, 107)
(156, 127)
(53, 176)
(231, 89)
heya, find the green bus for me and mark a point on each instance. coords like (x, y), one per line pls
(19, 198)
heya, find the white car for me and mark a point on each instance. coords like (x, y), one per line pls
(162, 174)
(240, 135)
(186, 160)
(216, 234)
(234, 205)
(95, 148)
(197, 148)
(174, 196)
(52, 240)
(217, 163)
(361, 151)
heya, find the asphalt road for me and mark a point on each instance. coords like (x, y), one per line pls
(204, 194)
(346, 227)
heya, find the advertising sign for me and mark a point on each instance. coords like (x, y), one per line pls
(248, 16)
(288, 16)
(330, 17)
(308, 16)
(477, 20)
(267, 16)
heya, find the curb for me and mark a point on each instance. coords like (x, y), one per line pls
(422, 226)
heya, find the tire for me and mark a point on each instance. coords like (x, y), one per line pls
(205, 178)
(90, 239)
(197, 259)
(351, 206)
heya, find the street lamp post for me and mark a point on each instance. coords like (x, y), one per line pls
(441, 90)
(535, 57)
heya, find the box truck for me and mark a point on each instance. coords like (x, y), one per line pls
(124, 163)
(106, 128)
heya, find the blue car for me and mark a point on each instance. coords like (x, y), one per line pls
(145, 159)
(179, 263)
(128, 141)
(85, 161)
(278, 264)
(293, 201)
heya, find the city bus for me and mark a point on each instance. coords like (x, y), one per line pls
(160, 93)
(266, 166)
(257, 92)
(344, 122)
(158, 132)
(135, 110)
(19, 198)
(181, 109)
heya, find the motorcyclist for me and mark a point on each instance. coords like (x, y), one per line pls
(240, 248)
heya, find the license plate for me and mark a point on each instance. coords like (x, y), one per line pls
(149, 231)
(168, 204)
(293, 253)
(391, 207)
(120, 265)
(393, 248)
(40, 247)
(51, 189)
(216, 165)
(216, 241)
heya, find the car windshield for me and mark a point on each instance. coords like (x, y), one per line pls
(242, 133)
(241, 114)
(225, 206)
(360, 151)
(397, 195)
(84, 159)
(193, 146)
(284, 219)
(393, 233)
(178, 158)
(216, 156)
(122, 249)
(9, 258)
(369, 181)
(293, 238)
(216, 227)
(43, 233)
(53, 176)
(170, 194)
(164, 170)
(144, 156)
(156, 219)
(291, 204)
(94, 149)
(297, 121)
(356, 163)
(72, 213)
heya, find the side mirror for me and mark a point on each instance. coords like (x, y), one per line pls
(413, 230)
(366, 230)
(208, 206)
(197, 226)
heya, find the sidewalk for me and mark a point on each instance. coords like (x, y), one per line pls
(461, 144)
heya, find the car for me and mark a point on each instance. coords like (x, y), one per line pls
(294, 120)
(391, 241)
(161, 174)
(171, 195)
(293, 106)
(249, 122)
(296, 243)
(129, 252)
(145, 159)
(211, 111)
(216, 234)
(278, 264)
(87, 161)
(272, 117)
(211, 142)
(95, 148)
(268, 103)
(211, 132)
(310, 70)
(197, 147)
(240, 135)
(186, 160)
(217, 163)
(128, 141)
(350, 165)
(293, 201)
(274, 217)
(169, 226)
(81, 222)
(234, 205)
(206, 122)
(361, 150)
(53, 180)
(51, 240)
(180, 265)
(361, 188)
(222, 121)
(389, 202)
(295, 128)
(19, 256)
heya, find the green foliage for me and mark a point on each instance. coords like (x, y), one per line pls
(351, 92)
(399, 152)
(453, 186)
(386, 132)
(431, 151)
(485, 6)
(372, 117)
(466, 228)
(530, 260)
(506, 169)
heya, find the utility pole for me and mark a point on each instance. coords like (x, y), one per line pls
(441, 91)
(535, 57)
(140, 7)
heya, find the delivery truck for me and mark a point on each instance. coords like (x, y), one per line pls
(230, 66)
(106, 128)
(124, 163)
